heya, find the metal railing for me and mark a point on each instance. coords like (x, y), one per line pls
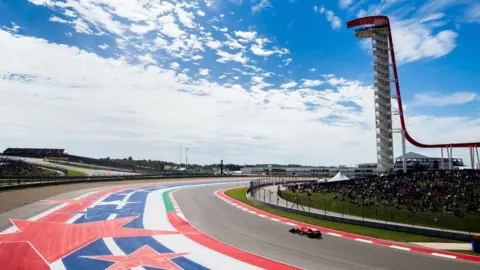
(433, 224)
(383, 213)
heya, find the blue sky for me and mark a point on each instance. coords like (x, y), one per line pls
(246, 81)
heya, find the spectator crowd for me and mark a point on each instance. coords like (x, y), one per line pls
(10, 167)
(453, 192)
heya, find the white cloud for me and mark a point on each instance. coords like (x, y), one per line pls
(345, 3)
(335, 21)
(214, 44)
(414, 40)
(57, 19)
(70, 13)
(245, 36)
(103, 46)
(42, 2)
(258, 84)
(142, 29)
(146, 59)
(172, 30)
(472, 13)
(14, 27)
(254, 68)
(261, 5)
(209, 3)
(287, 61)
(204, 71)
(174, 65)
(234, 44)
(311, 83)
(436, 99)
(332, 80)
(200, 13)
(437, 5)
(227, 57)
(82, 27)
(197, 57)
(258, 49)
(182, 77)
(160, 42)
(288, 85)
(312, 69)
(418, 36)
(186, 18)
(432, 17)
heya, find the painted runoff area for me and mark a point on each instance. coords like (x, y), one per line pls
(139, 227)
(354, 237)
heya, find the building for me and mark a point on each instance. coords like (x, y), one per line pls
(420, 162)
(309, 171)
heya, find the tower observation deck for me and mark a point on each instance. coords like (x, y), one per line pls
(378, 29)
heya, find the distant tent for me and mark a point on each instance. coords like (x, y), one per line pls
(322, 180)
(339, 177)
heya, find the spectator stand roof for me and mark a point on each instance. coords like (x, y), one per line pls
(412, 155)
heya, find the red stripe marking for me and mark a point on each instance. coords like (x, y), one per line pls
(351, 236)
(208, 242)
(21, 255)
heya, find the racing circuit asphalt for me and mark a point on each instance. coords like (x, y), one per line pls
(271, 239)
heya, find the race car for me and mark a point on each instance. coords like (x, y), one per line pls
(309, 232)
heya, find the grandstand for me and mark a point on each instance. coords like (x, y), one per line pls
(34, 152)
(426, 198)
(10, 167)
(56, 154)
(421, 162)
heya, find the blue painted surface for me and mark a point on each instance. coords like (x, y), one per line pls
(126, 244)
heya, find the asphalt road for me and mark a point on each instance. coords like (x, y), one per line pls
(272, 239)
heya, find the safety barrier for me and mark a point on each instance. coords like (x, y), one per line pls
(254, 194)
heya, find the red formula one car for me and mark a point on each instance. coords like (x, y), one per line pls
(309, 232)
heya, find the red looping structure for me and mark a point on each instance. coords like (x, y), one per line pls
(384, 21)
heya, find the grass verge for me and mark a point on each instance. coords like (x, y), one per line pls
(240, 194)
(468, 223)
(76, 173)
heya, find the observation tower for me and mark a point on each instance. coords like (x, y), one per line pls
(378, 32)
(378, 29)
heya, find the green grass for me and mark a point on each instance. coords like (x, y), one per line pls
(240, 194)
(76, 173)
(469, 223)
